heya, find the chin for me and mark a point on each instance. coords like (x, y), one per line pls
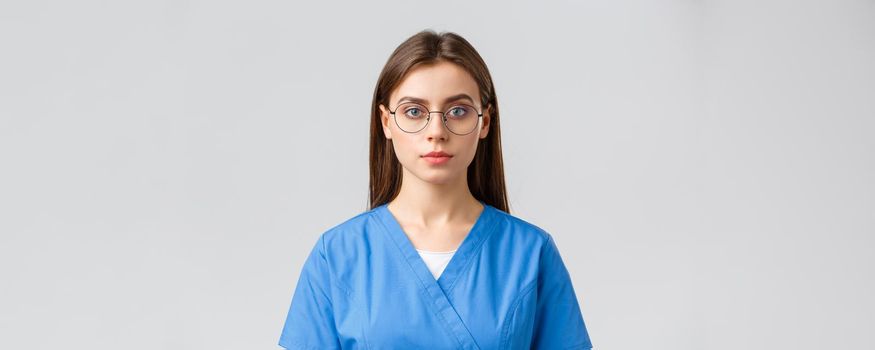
(436, 177)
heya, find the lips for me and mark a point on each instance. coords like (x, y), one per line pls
(437, 157)
(437, 154)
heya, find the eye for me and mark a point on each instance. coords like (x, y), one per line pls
(413, 112)
(459, 111)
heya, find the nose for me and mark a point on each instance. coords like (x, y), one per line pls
(436, 127)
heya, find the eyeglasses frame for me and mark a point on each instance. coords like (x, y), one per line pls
(443, 118)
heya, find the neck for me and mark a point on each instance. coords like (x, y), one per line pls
(429, 204)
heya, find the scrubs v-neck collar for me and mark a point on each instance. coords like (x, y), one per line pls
(439, 290)
(467, 249)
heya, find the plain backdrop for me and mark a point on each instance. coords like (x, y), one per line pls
(707, 168)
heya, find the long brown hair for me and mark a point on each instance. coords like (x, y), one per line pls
(486, 171)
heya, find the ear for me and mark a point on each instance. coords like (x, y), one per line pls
(384, 119)
(487, 118)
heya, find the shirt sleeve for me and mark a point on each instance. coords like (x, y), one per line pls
(558, 320)
(310, 320)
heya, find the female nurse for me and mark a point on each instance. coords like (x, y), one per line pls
(437, 261)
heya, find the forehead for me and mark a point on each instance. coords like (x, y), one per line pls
(436, 82)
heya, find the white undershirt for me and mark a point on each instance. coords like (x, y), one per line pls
(436, 261)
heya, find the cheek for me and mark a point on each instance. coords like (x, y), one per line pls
(470, 148)
(403, 146)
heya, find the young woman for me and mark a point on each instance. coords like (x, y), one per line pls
(437, 262)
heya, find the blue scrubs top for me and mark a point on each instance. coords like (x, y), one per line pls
(365, 286)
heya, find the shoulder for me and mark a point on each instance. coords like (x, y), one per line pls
(518, 236)
(518, 227)
(355, 228)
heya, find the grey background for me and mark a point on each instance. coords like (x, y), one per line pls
(706, 167)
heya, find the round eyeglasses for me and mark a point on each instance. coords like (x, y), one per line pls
(460, 119)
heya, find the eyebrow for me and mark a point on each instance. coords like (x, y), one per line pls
(447, 100)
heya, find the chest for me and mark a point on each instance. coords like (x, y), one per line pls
(393, 301)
